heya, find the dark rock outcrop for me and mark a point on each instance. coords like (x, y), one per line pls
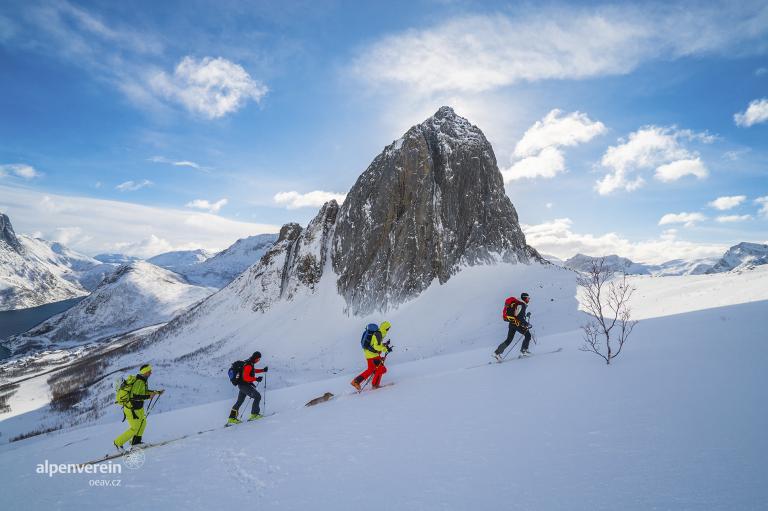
(428, 204)
(8, 236)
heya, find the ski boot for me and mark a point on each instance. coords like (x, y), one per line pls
(356, 383)
(119, 448)
(497, 357)
(233, 420)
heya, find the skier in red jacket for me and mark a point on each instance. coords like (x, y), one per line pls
(514, 313)
(247, 388)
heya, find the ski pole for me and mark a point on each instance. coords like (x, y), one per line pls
(383, 359)
(152, 404)
(265, 393)
(241, 412)
(510, 350)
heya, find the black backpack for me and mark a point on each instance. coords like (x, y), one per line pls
(235, 372)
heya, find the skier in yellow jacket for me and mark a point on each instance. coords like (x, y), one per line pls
(373, 347)
(132, 396)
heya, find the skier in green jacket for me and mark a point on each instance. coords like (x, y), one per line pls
(132, 396)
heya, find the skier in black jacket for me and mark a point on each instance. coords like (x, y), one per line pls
(515, 313)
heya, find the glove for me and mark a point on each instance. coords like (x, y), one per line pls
(390, 348)
(157, 392)
(259, 378)
(266, 369)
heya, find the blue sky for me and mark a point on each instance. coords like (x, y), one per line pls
(152, 126)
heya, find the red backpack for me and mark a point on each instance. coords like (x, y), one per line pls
(510, 307)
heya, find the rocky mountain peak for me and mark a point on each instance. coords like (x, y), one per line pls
(8, 236)
(431, 202)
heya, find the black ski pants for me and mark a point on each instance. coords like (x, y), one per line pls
(512, 330)
(249, 390)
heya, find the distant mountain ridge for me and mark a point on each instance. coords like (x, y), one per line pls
(741, 256)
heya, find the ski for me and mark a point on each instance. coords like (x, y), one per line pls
(227, 425)
(491, 362)
(159, 444)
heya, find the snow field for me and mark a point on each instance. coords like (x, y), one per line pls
(676, 423)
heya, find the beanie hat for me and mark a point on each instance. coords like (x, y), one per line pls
(145, 369)
(256, 354)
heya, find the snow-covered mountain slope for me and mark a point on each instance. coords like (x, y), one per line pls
(614, 263)
(134, 296)
(222, 268)
(117, 259)
(678, 267)
(741, 256)
(556, 431)
(179, 259)
(35, 272)
(581, 262)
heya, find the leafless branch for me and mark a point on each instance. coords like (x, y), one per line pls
(607, 299)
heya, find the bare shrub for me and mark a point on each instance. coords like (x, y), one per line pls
(70, 386)
(606, 299)
(35, 432)
(5, 396)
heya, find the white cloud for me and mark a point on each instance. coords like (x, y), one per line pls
(477, 53)
(756, 113)
(680, 168)
(558, 130)
(647, 148)
(548, 163)
(727, 202)
(132, 186)
(210, 87)
(20, 170)
(556, 237)
(66, 235)
(733, 218)
(688, 219)
(763, 202)
(539, 149)
(151, 246)
(295, 200)
(175, 163)
(213, 207)
(109, 226)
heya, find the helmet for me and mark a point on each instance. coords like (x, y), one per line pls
(385, 325)
(524, 297)
(256, 355)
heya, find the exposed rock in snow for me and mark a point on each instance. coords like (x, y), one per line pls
(740, 257)
(132, 297)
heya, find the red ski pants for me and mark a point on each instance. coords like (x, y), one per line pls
(375, 367)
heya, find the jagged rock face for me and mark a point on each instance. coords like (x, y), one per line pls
(309, 253)
(295, 262)
(430, 202)
(8, 236)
